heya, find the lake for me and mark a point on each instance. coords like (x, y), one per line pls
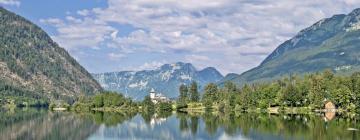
(38, 124)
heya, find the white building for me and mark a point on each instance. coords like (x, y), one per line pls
(157, 97)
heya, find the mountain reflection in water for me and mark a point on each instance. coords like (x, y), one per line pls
(37, 124)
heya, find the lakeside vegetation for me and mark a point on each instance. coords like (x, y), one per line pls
(13, 96)
(105, 101)
(291, 94)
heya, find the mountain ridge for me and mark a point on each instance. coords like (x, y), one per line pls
(330, 43)
(165, 79)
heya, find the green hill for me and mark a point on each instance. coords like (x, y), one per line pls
(332, 43)
(32, 65)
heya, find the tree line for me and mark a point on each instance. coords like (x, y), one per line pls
(311, 91)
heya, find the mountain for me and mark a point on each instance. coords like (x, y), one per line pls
(228, 77)
(331, 43)
(33, 65)
(165, 79)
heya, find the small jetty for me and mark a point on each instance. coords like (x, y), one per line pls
(59, 109)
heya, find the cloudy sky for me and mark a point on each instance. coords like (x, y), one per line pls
(230, 35)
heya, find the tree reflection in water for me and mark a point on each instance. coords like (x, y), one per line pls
(41, 124)
(283, 126)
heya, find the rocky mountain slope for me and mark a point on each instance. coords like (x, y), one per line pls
(33, 65)
(165, 79)
(331, 43)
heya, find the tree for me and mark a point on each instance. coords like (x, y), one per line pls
(245, 100)
(211, 92)
(291, 95)
(355, 86)
(183, 92)
(229, 96)
(210, 95)
(112, 99)
(317, 92)
(147, 104)
(344, 98)
(230, 87)
(273, 91)
(182, 101)
(98, 101)
(165, 106)
(194, 94)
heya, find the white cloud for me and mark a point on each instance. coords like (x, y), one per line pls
(150, 65)
(115, 56)
(53, 21)
(10, 2)
(74, 33)
(235, 34)
(83, 12)
(352, 2)
(193, 57)
(114, 34)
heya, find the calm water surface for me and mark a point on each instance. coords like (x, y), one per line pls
(37, 124)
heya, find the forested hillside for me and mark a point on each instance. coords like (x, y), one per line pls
(32, 65)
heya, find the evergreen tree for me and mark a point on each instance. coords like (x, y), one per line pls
(194, 93)
(229, 96)
(210, 95)
(148, 105)
(317, 92)
(183, 90)
(98, 101)
(211, 92)
(244, 100)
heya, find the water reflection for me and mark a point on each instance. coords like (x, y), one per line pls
(110, 118)
(232, 126)
(328, 116)
(41, 124)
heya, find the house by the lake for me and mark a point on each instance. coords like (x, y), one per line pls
(329, 106)
(158, 97)
(329, 111)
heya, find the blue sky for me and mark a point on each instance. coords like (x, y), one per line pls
(230, 35)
